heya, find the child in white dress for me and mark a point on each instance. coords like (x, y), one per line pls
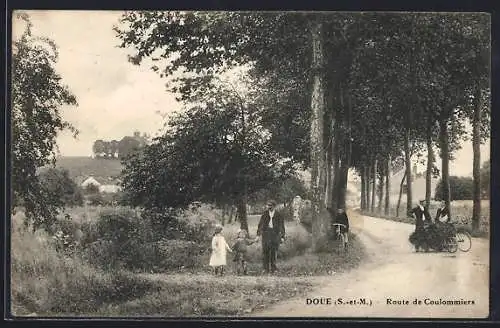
(219, 247)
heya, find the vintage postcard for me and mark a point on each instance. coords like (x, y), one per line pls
(250, 164)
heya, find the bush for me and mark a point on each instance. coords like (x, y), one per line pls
(58, 184)
(95, 199)
(196, 223)
(123, 237)
(49, 283)
(91, 189)
(286, 212)
(461, 188)
(177, 254)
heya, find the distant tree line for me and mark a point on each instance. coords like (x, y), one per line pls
(462, 188)
(119, 149)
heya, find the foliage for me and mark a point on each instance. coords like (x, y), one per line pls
(282, 191)
(36, 121)
(126, 238)
(95, 199)
(461, 188)
(218, 167)
(61, 188)
(49, 283)
(485, 180)
(377, 68)
(119, 149)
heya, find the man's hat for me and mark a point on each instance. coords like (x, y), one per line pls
(271, 202)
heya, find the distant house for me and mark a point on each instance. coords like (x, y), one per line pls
(90, 181)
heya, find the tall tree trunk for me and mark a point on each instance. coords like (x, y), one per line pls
(387, 185)
(445, 157)
(329, 175)
(428, 172)
(342, 189)
(241, 210)
(374, 186)
(336, 166)
(330, 138)
(409, 199)
(224, 214)
(476, 161)
(381, 193)
(368, 186)
(400, 193)
(231, 214)
(363, 195)
(319, 227)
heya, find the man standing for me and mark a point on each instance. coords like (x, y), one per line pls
(272, 228)
(422, 217)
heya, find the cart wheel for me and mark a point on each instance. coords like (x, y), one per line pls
(464, 241)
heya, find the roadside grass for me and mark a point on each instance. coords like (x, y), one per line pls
(46, 283)
(206, 295)
(461, 216)
(81, 166)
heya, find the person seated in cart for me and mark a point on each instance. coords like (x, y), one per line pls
(443, 221)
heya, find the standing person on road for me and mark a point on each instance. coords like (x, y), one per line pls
(240, 251)
(272, 228)
(422, 218)
(219, 247)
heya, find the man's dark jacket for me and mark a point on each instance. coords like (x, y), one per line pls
(276, 232)
(421, 217)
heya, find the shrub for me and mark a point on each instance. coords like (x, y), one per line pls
(305, 214)
(122, 238)
(461, 188)
(286, 212)
(196, 223)
(49, 283)
(298, 240)
(176, 254)
(91, 189)
(95, 199)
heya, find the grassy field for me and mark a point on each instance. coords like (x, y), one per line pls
(47, 283)
(85, 166)
(461, 212)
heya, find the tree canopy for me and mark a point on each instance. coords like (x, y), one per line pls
(36, 121)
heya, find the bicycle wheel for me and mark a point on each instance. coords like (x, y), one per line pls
(341, 242)
(464, 241)
(452, 245)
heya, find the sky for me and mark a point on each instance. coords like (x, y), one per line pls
(116, 98)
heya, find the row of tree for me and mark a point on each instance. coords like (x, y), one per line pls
(119, 149)
(328, 91)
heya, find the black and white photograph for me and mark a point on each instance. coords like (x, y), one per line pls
(250, 164)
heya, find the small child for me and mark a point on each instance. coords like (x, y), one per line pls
(241, 251)
(219, 247)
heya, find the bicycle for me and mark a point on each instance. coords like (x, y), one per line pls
(459, 240)
(341, 236)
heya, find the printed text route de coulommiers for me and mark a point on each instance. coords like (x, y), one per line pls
(428, 301)
(389, 301)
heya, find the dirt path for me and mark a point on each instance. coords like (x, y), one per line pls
(394, 271)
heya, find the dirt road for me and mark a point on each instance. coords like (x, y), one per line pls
(395, 277)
